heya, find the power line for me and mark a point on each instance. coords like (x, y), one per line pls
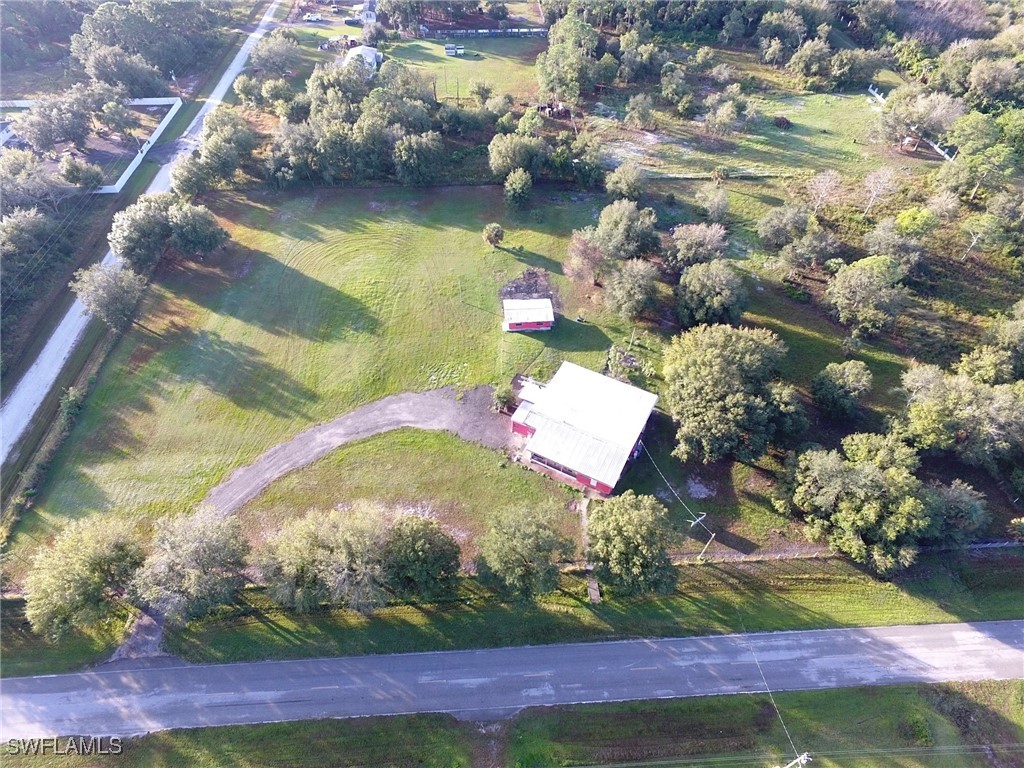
(69, 217)
(694, 519)
(801, 758)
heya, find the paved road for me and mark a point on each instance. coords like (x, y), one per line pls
(495, 683)
(21, 403)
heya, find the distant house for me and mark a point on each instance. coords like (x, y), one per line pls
(583, 425)
(366, 12)
(528, 314)
(367, 56)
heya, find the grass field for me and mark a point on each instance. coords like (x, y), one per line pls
(26, 653)
(324, 301)
(421, 741)
(907, 726)
(773, 595)
(459, 484)
(506, 64)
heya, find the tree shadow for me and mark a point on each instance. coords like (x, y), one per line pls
(568, 335)
(238, 372)
(534, 259)
(289, 302)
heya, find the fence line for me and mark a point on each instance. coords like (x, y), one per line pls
(175, 104)
(438, 34)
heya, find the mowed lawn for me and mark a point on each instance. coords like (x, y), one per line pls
(323, 301)
(504, 63)
(461, 485)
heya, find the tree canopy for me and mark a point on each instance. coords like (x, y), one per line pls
(838, 387)
(109, 292)
(867, 502)
(631, 289)
(519, 554)
(625, 231)
(867, 293)
(75, 583)
(195, 564)
(710, 293)
(628, 544)
(719, 389)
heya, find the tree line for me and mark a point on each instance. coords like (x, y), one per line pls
(359, 558)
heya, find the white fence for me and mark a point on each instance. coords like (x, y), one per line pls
(438, 34)
(174, 103)
(881, 100)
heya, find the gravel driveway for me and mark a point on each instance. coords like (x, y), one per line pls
(469, 416)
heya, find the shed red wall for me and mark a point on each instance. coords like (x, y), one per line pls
(600, 487)
(540, 326)
(522, 429)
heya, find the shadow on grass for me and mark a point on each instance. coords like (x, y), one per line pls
(289, 302)
(571, 336)
(534, 259)
(233, 370)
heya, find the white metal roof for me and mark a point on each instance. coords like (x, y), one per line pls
(588, 422)
(530, 391)
(528, 310)
(369, 55)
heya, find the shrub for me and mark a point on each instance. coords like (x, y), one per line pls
(517, 188)
(710, 293)
(837, 388)
(625, 181)
(504, 398)
(493, 234)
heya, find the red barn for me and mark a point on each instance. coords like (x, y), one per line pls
(528, 314)
(583, 425)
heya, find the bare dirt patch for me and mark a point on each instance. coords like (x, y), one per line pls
(142, 355)
(699, 488)
(532, 284)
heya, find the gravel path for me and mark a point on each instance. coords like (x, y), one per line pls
(144, 640)
(469, 416)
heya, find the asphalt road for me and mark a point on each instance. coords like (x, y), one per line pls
(23, 400)
(495, 683)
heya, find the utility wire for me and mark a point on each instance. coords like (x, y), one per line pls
(68, 218)
(771, 696)
(694, 518)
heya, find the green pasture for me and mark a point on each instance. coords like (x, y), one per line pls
(323, 301)
(504, 63)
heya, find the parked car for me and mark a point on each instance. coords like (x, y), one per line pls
(335, 9)
(312, 17)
